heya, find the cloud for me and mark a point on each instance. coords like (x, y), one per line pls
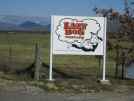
(90, 39)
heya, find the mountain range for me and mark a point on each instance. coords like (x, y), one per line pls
(24, 23)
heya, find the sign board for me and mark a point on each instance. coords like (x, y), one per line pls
(75, 35)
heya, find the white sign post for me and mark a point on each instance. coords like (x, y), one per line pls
(75, 35)
(104, 55)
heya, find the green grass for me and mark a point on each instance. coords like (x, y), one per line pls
(19, 48)
(17, 51)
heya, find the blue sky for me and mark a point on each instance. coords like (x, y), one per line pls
(46, 8)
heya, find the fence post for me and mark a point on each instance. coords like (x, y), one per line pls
(123, 65)
(99, 66)
(117, 61)
(38, 62)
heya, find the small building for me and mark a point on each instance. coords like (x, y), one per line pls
(113, 25)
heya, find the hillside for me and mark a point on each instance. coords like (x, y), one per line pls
(22, 23)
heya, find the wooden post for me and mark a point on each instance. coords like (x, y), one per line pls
(37, 62)
(123, 65)
(117, 61)
(99, 66)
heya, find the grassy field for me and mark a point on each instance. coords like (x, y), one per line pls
(20, 47)
(17, 52)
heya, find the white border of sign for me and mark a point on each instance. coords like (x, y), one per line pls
(51, 50)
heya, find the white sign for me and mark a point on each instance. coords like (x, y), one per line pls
(76, 35)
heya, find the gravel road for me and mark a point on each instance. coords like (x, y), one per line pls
(105, 96)
(10, 91)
